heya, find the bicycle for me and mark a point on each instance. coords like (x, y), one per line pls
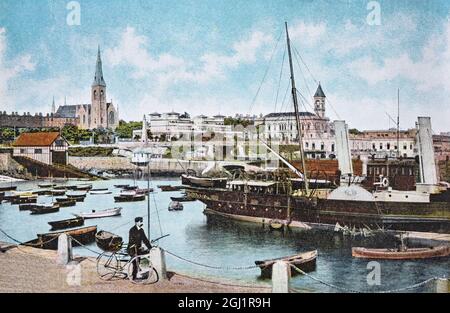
(119, 264)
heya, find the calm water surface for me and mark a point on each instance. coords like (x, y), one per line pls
(225, 243)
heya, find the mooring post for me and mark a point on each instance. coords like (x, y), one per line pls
(281, 275)
(442, 285)
(158, 259)
(64, 250)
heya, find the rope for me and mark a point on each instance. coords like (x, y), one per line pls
(222, 284)
(415, 286)
(84, 246)
(27, 244)
(211, 266)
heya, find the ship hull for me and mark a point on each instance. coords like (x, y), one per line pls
(323, 213)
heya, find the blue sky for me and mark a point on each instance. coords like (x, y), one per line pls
(208, 57)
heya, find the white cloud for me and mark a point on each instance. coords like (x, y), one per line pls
(20, 64)
(427, 72)
(308, 34)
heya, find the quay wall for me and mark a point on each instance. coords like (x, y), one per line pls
(161, 166)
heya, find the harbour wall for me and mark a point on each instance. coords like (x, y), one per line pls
(120, 164)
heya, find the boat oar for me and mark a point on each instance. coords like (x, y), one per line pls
(154, 240)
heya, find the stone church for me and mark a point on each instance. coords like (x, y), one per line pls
(98, 114)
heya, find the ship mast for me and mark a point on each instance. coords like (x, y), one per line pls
(297, 114)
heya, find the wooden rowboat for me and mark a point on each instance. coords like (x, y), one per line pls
(84, 235)
(45, 209)
(83, 187)
(182, 199)
(276, 224)
(64, 203)
(24, 199)
(100, 192)
(170, 188)
(100, 214)
(401, 254)
(69, 223)
(305, 261)
(27, 206)
(129, 198)
(108, 241)
(8, 188)
(175, 206)
(46, 185)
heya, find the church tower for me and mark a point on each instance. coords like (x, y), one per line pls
(319, 102)
(98, 115)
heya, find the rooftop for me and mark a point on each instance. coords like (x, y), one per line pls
(36, 139)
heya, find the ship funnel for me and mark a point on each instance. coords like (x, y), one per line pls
(343, 148)
(426, 151)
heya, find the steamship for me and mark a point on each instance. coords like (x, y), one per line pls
(319, 203)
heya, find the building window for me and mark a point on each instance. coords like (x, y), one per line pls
(59, 143)
(23, 151)
(332, 147)
(38, 151)
(388, 147)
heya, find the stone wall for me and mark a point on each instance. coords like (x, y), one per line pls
(26, 120)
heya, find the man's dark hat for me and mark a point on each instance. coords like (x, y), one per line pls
(138, 219)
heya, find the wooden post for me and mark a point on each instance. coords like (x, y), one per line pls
(442, 285)
(158, 259)
(281, 275)
(64, 255)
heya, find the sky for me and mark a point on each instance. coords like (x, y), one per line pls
(210, 57)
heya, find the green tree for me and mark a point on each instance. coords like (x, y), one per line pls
(125, 129)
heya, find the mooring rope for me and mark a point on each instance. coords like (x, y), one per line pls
(211, 266)
(222, 284)
(415, 286)
(27, 244)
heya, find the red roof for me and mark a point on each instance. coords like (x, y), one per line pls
(36, 139)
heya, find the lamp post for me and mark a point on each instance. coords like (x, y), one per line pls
(145, 162)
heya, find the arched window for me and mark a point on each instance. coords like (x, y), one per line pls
(111, 118)
(95, 94)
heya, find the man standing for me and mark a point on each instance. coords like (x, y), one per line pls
(136, 238)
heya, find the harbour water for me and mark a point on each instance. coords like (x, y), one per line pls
(223, 243)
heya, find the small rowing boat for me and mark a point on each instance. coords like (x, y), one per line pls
(276, 224)
(100, 214)
(182, 199)
(83, 187)
(175, 206)
(66, 202)
(8, 188)
(108, 241)
(170, 188)
(305, 261)
(45, 209)
(24, 199)
(129, 197)
(99, 189)
(122, 186)
(84, 235)
(68, 223)
(46, 185)
(57, 192)
(401, 254)
(27, 206)
(100, 192)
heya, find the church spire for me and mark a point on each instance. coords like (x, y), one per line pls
(53, 106)
(319, 92)
(98, 78)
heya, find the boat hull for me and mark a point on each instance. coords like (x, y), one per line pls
(426, 217)
(85, 235)
(409, 254)
(306, 262)
(65, 224)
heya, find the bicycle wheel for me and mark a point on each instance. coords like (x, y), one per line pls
(107, 265)
(146, 273)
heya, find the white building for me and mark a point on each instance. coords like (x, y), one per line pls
(172, 125)
(317, 130)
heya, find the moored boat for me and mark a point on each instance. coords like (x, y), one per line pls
(84, 235)
(207, 182)
(122, 186)
(27, 206)
(8, 188)
(100, 192)
(305, 261)
(175, 206)
(83, 187)
(57, 192)
(170, 188)
(129, 198)
(182, 199)
(46, 185)
(401, 254)
(68, 223)
(276, 224)
(100, 214)
(44, 209)
(64, 203)
(108, 241)
(24, 199)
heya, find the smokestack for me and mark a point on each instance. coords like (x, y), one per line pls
(343, 148)
(426, 152)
